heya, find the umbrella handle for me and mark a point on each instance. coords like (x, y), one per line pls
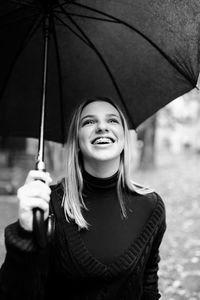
(43, 232)
(39, 227)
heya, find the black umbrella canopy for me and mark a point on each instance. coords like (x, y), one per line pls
(142, 54)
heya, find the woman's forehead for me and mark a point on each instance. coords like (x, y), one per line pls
(99, 107)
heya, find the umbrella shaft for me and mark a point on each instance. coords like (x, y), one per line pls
(44, 89)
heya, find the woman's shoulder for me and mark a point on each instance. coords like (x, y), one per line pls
(157, 210)
(151, 202)
(154, 200)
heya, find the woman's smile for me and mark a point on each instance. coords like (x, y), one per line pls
(103, 140)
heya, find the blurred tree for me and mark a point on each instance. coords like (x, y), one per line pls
(182, 118)
(14, 147)
(146, 134)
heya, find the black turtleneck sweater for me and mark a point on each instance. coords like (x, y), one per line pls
(110, 234)
(116, 259)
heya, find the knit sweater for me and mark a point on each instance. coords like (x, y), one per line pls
(116, 259)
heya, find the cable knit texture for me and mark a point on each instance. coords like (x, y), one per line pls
(74, 266)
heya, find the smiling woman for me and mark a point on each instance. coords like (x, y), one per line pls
(108, 228)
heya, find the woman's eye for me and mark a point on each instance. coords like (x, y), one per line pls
(88, 122)
(113, 121)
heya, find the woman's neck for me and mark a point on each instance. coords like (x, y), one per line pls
(102, 169)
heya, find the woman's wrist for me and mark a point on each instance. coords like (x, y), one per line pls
(19, 238)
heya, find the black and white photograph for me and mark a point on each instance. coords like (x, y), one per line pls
(99, 149)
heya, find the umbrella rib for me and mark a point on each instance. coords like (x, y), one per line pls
(60, 85)
(92, 46)
(28, 36)
(144, 36)
(74, 32)
(23, 4)
(89, 17)
(111, 19)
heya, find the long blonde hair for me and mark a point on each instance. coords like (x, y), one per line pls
(73, 185)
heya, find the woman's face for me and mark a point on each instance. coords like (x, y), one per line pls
(101, 133)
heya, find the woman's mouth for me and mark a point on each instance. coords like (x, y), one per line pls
(103, 141)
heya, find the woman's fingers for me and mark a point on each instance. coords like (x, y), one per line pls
(35, 193)
(38, 175)
(35, 188)
(26, 212)
(33, 203)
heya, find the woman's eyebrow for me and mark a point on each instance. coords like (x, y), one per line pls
(87, 116)
(113, 115)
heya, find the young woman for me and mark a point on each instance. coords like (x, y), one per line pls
(108, 228)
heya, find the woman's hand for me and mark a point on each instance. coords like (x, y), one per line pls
(35, 193)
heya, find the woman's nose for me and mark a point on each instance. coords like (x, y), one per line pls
(102, 127)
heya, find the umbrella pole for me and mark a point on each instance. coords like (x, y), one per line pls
(40, 165)
(39, 227)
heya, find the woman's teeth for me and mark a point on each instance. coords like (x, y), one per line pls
(103, 141)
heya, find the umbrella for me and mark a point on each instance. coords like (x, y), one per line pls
(142, 54)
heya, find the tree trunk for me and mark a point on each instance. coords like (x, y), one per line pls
(146, 134)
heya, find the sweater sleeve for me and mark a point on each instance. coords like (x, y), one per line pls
(150, 285)
(23, 273)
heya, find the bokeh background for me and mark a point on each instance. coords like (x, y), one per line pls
(166, 157)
